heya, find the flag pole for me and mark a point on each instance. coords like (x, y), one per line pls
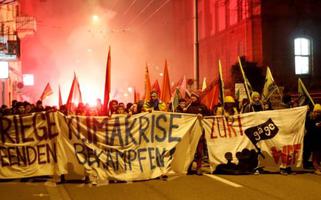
(306, 91)
(244, 79)
(221, 84)
(196, 45)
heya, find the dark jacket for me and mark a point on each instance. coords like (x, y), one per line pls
(198, 108)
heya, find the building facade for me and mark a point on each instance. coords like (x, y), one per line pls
(13, 28)
(281, 34)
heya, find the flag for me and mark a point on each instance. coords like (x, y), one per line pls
(60, 98)
(147, 85)
(204, 85)
(264, 131)
(156, 87)
(221, 83)
(107, 84)
(304, 95)
(214, 96)
(182, 88)
(269, 86)
(166, 87)
(247, 85)
(74, 96)
(46, 92)
(210, 95)
(175, 101)
(136, 96)
(176, 85)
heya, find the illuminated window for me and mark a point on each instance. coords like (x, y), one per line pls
(302, 54)
(4, 70)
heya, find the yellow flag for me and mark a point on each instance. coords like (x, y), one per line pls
(269, 86)
(303, 94)
(204, 85)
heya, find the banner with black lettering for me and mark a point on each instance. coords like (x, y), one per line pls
(139, 147)
(269, 139)
(30, 146)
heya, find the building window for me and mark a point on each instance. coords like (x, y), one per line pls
(302, 54)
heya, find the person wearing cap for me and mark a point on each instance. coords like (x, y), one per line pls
(196, 107)
(314, 129)
(256, 105)
(229, 107)
(154, 103)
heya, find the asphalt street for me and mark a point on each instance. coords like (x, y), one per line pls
(303, 185)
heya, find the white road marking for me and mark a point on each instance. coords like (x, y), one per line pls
(223, 180)
(40, 195)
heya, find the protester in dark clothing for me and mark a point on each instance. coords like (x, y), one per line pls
(256, 105)
(133, 109)
(113, 104)
(28, 107)
(314, 129)
(121, 109)
(182, 107)
(195, 107)
(39, 107)
(20, 109)
(245, 102)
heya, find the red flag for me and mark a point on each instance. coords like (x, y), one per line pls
(46, 92)
(183, 88)
(210, 95)
(60, 98)
(136, 96)
(107, 83)
(147, 85)
(74, 96)
(215, 96)
(166, 87)
(156, 87)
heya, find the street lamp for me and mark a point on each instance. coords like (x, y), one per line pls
(28, 79)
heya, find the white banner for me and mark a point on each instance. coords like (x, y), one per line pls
(30, 146)
(139, 147)
(233, 141)
(147, 145)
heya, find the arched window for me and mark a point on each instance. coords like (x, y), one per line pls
(302, 55)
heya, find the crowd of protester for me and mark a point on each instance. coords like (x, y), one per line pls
(192, 104)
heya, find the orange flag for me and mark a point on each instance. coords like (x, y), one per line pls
(107, 84)
(147, 85)
(166, 87)
(156, 87)
(46, 92)
(74, 96)
(60, 98)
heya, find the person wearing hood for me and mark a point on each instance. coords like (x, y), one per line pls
(256, 105)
